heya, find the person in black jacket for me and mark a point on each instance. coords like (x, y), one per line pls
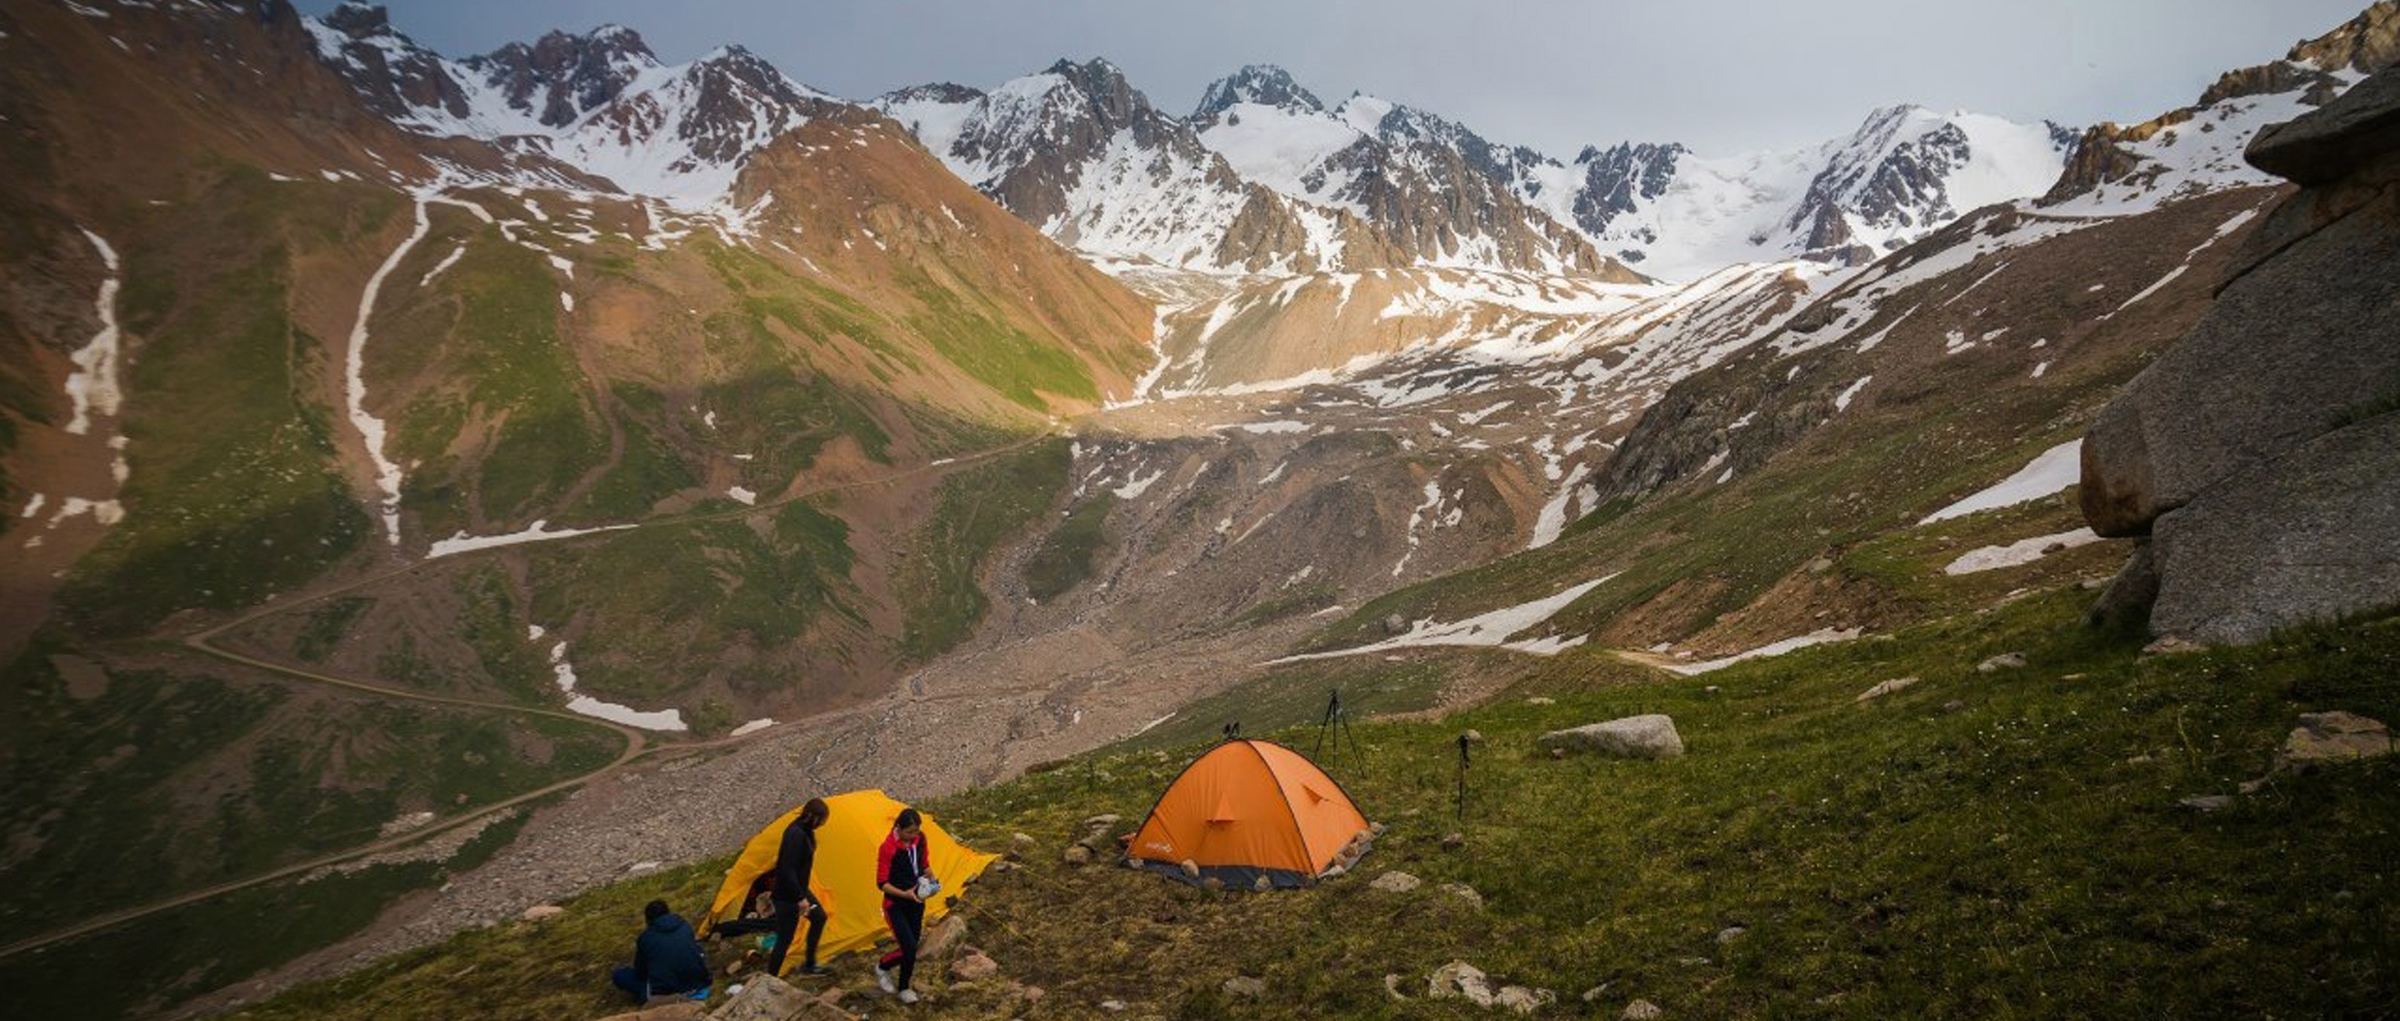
(666, 958)
(793, 861)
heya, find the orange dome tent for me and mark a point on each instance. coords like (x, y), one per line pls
(1248, 809)
(843, 878)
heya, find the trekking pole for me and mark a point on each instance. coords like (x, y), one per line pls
(1462, 777)
(1333, 706)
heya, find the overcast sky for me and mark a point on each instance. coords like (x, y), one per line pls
(1719, 75)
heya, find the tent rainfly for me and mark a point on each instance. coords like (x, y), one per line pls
(1249, 809)
(843, 875)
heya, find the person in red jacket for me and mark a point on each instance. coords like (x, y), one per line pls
(907, 882)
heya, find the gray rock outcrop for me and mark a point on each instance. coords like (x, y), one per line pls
(2260, 452)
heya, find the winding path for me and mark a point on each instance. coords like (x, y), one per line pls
(637, 744)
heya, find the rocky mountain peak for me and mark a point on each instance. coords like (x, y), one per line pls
(1263, 84)
(360, 21)
(561, 76)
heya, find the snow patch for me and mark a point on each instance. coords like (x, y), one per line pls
(2022, 551)
(2056, 469)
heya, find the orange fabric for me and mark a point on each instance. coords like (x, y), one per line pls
(1250, 803)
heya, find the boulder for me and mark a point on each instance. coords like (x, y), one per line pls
(1459, 980)
(2127, 597)
(973, 966)
(1394, 624)
(1642, 1010)
(1523, 1000)
(2325, 145)
(765, 998)
(2333, 737)
(1246, 987)
(1396, 881)
(1885, 688)
(2258, 449)
(1635, 737)
(2313, 536)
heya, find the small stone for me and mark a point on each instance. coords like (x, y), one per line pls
(1885, 688)
(542, 912)
(1524, 1000)
(1113, 1006)
(2003, 661)
(1021, 839)
(685, 1010)
(1459, 980)
(1593, 994)
(1711, 690)
(2172, 646)
(1730, 933)
(1033, 994)
(1642, 1010)
(1953, 705)
(764, 998)
(2208, 802)
(2333, 737)
(2252, 786)
(1391, 987)
(1558, 753)
(1453, 841)
(1191, 869)
(973, 966)
(1212, 883)
(1262, 884)
(1396, 881)
(1077, 854)
(1541, 700)
(1473, 736)
(1333, 871)
(1394, 624)
(1464, 892)
(1246, 987)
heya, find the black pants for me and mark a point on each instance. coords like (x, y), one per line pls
(907, 919)
(787, 921)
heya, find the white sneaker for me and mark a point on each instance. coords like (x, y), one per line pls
(908, 996)
(883, 978)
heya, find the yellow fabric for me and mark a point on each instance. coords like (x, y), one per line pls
(1250, 803)
(843, 876)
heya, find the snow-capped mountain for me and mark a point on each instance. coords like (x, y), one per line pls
(1439, 190)
(1077, 151)
(1905, 172)
(2197, 149)
(600, 102)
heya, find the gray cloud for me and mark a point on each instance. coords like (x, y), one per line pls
(1719, 75)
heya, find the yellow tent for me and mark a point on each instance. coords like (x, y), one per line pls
(843, 876)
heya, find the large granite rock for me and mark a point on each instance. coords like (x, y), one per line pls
(2312, 536)
(2231, 448)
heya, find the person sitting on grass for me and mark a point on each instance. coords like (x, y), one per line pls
(666, 958)
(901, 872)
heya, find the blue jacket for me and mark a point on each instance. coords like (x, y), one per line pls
(668, 956)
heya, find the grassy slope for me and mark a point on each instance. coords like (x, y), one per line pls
(1981, 845)
(939, 585)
